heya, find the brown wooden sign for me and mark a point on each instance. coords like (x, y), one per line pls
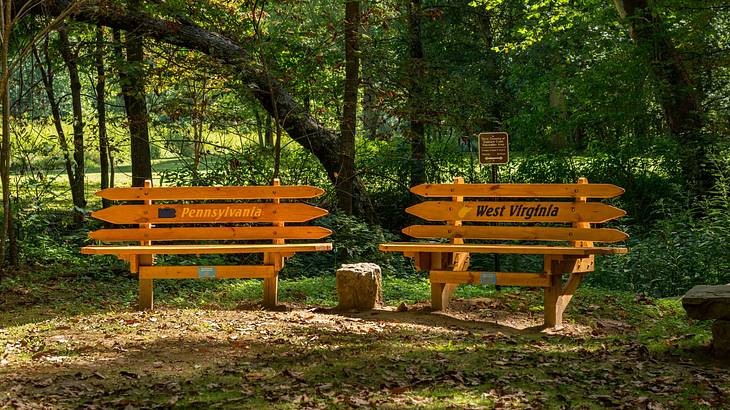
(595, 212)
(209, 213)
(493, 148)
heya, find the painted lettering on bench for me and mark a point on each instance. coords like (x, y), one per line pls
(518, 211)
(219, 213)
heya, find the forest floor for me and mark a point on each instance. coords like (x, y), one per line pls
(76, 342)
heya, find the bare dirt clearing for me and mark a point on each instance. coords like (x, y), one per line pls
(483, 354)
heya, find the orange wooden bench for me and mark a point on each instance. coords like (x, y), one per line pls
(571, 249)
(163, 218)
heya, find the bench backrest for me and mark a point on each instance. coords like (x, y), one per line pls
(517, 212)
(194, 214)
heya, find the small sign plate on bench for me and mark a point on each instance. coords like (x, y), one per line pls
(206, 272)
(488, 278)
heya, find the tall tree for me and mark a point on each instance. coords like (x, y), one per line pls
(104, 152)
(7, 25)
(11, 13)
(137, 103)
(676, 92)
(47, 72)
(416, 95)
(348, 126)
(77, 180)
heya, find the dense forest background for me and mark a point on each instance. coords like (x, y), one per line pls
(365, 99)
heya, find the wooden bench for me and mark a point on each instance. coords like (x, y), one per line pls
(571, 249)
(192, 221)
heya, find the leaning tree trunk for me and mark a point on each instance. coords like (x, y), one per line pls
(295, 120)
(677, 94)
(349, 109)
(77, 182)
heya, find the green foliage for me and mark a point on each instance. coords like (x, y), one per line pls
(252, 166)
(689, 246)
(353, 241)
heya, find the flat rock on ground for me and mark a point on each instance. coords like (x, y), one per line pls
(708, 302)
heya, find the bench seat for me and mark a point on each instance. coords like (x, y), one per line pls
(200, 249)
(407, 247)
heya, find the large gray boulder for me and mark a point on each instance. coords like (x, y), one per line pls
(359, 286)
(708, 302)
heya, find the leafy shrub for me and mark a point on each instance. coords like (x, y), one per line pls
(689, 246)
(353, 241)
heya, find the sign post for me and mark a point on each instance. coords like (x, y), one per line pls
(494, 151)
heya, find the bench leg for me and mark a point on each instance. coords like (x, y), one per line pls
(146, 294)
(558, 296)
(441, 295)
(146, 289)
(271, 292)
(271, 285)
(554, 303)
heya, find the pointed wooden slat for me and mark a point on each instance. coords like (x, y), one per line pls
(204, 249)
(210, 192)
(519, 190)
(211, 233)
(207, 272)
(510, 249)
(595, 212)
(209, 213)
(525, 233)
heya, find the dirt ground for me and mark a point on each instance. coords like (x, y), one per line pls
(481, 354)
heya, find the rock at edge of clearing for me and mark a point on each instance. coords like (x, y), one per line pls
(359, 286)
(708, 302)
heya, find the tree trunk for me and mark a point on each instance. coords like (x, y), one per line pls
(417, 130)
(349, 108)
(121, 66)
(259, 128)
(299, 124)
(676, 92)
(269, 132)
(5, 145)
(137, 110)
(47, 78)
(371, 117)
(104, 154)
(77, 182)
